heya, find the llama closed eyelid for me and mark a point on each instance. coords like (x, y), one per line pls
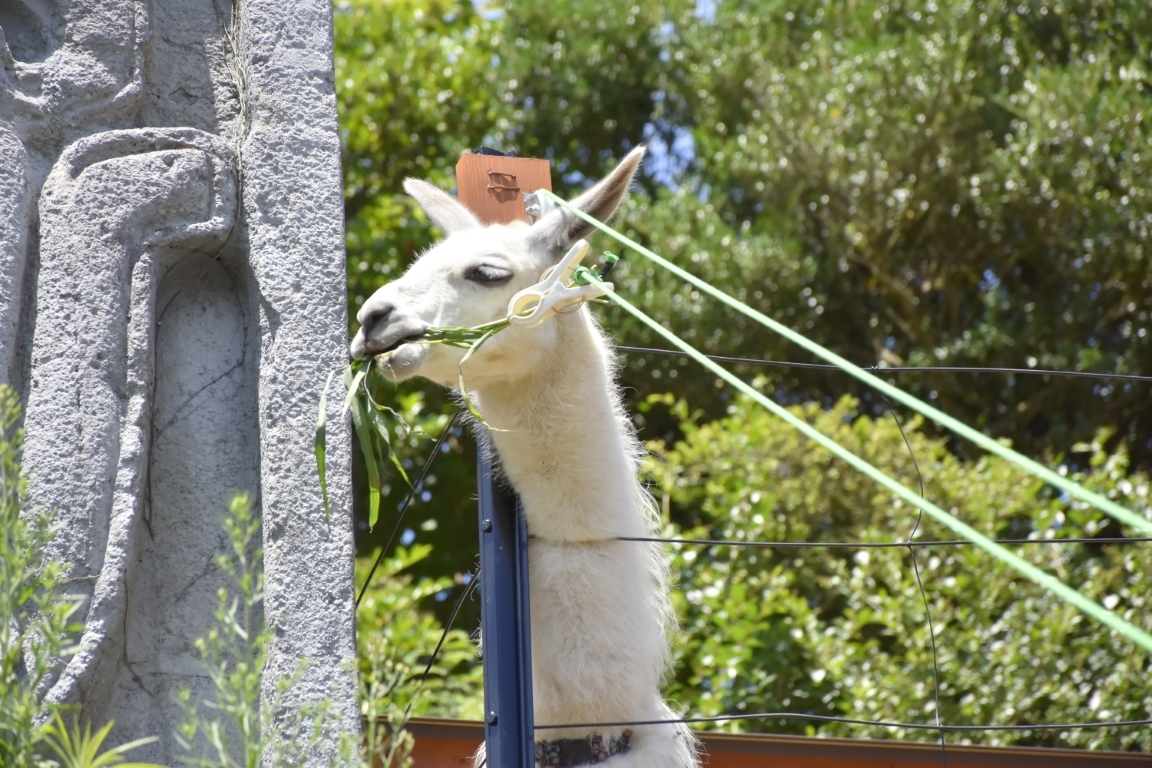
(488, 274)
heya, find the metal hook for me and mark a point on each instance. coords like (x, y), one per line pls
(536, 206)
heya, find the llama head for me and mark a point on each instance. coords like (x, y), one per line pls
(468, 278)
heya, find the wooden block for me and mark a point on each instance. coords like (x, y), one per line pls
(493, 187)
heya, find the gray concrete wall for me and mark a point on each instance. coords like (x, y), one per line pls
(171, 300)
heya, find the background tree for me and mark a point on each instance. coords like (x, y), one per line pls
(908, 183)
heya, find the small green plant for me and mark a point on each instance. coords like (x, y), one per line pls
(395, 637)
(234, 653)
(81, 749)
(34, 629)
(385, 743)
(35, 634)
(398, 679)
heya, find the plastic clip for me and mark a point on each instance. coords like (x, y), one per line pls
(532, 306)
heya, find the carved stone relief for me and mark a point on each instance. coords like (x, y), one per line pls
(71, 64)
(114, 208)
(169, 342)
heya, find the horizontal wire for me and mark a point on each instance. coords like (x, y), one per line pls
(877, 544)
(901, 369)
(855, 721)
(1030, 571)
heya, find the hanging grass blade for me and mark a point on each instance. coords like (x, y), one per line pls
(376, 413)
(364, 436)
(368, 416)
(320, 445)
(460, 376)
(353, 383)
(382, 431)
(374, 374)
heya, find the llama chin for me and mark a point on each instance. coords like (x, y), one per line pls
(404, 362)
(601, 616)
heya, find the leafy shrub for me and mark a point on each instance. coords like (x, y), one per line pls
(35, 624)
(843, 631)
(397, 636)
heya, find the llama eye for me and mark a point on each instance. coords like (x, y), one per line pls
(488, 274)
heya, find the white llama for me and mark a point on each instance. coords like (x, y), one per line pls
(600, 610)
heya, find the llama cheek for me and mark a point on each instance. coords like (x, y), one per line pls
(403, 363)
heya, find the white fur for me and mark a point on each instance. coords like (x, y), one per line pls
(600, 610)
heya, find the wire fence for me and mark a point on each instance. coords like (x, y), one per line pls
(897, 370)
(911, 544)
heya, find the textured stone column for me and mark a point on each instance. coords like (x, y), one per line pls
(15, 208)
(290, 163)
(115, 207)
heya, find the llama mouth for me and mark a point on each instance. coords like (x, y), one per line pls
(396, 344)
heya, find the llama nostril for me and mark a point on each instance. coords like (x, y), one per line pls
(369, 320)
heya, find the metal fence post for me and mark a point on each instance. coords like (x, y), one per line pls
(505, 625)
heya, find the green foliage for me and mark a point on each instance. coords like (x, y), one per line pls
(908, 184)
(581, 80)
(842, 631)
(912, 183)
(958, 184)
(39, 623)
(234, 654)
(81, 749)
(228, 730)
(415, 80)
(397, 637)
(35, 625)
(373, 421)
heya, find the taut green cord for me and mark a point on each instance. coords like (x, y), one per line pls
(1052, 584)
(1047, 475)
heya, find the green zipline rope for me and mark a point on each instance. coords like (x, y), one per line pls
(1052, 584)
(992, 446)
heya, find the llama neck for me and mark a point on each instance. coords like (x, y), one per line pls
(567, 452)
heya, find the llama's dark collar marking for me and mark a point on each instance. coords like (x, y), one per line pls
(590, 750)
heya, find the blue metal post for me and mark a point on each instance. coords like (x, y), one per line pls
(505, 626)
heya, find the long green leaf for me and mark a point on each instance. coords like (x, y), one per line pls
(364, 436)
(352, 379)
(382, 431)
(368, 420)
(321, 447)
(80, 748)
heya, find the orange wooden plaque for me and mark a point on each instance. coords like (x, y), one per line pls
(493, 187)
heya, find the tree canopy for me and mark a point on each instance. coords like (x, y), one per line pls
(910, 184)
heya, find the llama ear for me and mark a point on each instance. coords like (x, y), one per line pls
(445, 211)
(555, 232)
